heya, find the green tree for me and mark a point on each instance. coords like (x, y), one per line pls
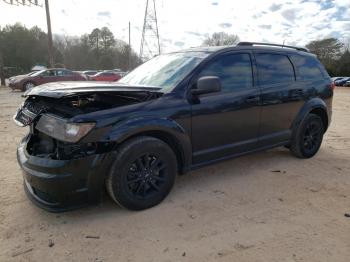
(94, 40)
(343, 65)
(23, 48)
(107, 39)
(221, 39)
(328, 50)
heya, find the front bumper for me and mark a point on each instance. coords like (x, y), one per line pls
(14, 85)
(62, 185)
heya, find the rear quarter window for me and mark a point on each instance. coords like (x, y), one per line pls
(274, 68)
(309, 68)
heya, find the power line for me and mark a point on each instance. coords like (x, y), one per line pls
(150, 46)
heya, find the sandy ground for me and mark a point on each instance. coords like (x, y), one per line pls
(267, 206)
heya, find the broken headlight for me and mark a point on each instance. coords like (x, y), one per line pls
(62, 130)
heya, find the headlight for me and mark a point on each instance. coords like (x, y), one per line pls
(62, 130)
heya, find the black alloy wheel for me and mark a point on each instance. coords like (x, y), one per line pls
(142, 174)
(308, 137)
(146, 175)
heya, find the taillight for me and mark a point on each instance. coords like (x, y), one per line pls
(332, 86)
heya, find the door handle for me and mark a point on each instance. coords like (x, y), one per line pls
(252, 99)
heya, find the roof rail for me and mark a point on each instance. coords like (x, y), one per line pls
(269, 44)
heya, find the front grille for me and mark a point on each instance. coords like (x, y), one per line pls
(35, 108)
(27, 114)
(24, 119)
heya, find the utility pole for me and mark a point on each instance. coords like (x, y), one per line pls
(2, 71)
(49, 34)
(48, 20)
(150, 45)
(129, 53)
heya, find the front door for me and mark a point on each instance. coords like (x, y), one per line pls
(226, 123)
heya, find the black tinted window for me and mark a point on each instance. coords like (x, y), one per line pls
(308, 67)
(60, 73)
(48, 73)
(107, 74)
(234, 71)
(274, 68)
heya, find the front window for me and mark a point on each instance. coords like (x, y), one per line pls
(164, 71)
(234, 71)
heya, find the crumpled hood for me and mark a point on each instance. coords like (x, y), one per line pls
(62, 89)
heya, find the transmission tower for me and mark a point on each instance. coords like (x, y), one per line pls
(150, 46)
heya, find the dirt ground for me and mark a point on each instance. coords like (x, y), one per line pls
(267, 206)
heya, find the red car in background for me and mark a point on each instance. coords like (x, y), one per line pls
(26, 82)
(106, 76)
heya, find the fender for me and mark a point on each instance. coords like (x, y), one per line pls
(310, 105)
(131, 127)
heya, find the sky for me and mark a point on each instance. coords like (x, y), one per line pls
(186, 23)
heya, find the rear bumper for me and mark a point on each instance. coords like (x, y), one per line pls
(62, 185)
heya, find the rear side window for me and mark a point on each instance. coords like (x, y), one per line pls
(308, 67)
(107, 74)
(234, 71)
(274, 68)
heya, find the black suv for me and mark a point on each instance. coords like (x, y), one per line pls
(174, 113)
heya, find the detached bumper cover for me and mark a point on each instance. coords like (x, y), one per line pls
(62, 185)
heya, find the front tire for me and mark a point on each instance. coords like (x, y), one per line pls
(308, 137)
(28, 85)
(142, 174)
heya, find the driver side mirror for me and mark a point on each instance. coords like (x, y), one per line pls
(206, 85)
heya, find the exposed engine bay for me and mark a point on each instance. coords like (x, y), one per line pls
(45, 145)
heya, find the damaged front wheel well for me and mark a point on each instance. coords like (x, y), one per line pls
(169, 140)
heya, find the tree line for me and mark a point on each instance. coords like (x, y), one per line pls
(21, 48)
(332, 53)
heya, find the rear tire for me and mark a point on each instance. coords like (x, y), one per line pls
(143, 173)
(308, 137)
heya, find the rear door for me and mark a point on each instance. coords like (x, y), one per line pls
(49, 76)
(226, 123)
(281, 96)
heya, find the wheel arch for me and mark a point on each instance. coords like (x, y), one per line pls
(314, 106)
(171, 141)
(165, 130)
(27, 81)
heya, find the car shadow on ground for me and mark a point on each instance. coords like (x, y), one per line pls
(199, 180)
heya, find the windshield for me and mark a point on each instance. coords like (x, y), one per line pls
(37, 73)
(164, 71)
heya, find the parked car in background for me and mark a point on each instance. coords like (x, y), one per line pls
(336, 78)
(347, 84)
(90, 72)
(15, 78)
(26, 82)
(110, 76)
(341, 81)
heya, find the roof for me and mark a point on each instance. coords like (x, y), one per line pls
(248, 46)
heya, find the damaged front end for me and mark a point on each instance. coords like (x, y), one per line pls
(62, 170)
